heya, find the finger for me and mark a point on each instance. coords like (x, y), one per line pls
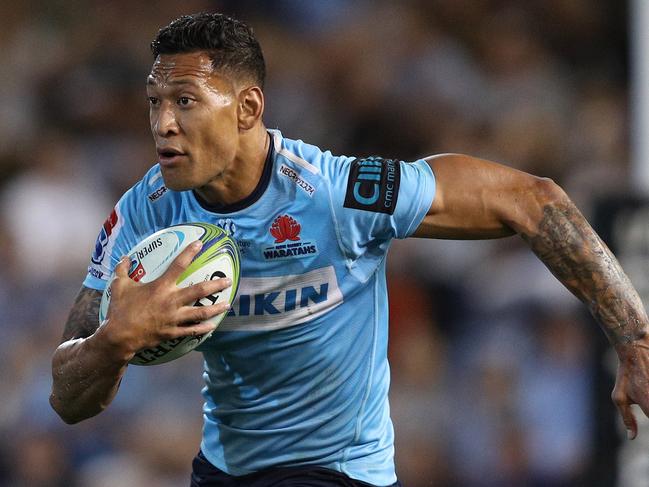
(196, 330)
(182, 261)
(197, 314)
(121, 276)
(124, 264)
(198, 291)
(628, 418)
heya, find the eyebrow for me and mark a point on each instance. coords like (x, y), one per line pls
(151, 82)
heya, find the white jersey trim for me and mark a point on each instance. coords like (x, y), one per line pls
(277, 142)
(154, 178)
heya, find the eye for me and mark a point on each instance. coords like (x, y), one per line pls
(154, 101)
(184, 101)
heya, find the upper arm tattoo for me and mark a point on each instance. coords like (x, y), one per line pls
(84, 315)
(574, 253)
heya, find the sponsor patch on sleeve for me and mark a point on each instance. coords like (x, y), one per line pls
(103, 239)
(373, 185)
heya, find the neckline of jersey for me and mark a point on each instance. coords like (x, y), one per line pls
(253, 197)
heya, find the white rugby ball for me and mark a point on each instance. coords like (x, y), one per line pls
(218, 258)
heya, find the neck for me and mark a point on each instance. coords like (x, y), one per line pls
(242, 175)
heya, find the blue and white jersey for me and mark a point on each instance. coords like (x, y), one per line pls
(297, 373)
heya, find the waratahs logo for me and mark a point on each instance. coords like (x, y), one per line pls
(285, 228)
(104, 237)
(288, 244)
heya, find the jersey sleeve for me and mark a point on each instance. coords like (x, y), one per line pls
(378, 199)
(117, 236)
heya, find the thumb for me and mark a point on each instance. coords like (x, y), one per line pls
(121, 270)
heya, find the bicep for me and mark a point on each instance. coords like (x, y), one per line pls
(481, 199)
(83, 319)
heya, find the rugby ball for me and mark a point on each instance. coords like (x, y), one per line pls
(218, 258)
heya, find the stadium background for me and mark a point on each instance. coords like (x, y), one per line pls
(499, 376)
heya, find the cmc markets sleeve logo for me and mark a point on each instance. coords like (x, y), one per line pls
(285, 228)
(373, 185)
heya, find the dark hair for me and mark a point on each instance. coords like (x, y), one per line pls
(230, 43)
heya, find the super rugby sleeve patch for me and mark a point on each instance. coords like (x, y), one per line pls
(373, 185)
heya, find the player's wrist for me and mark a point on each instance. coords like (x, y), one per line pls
(628, 347)
(114, 347)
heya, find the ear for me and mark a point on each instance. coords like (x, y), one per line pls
(251, 107)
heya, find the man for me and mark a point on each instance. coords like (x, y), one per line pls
(297, 375)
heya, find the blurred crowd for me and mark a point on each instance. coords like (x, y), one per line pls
(499, 376)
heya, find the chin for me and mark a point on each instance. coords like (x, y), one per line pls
(175, 183)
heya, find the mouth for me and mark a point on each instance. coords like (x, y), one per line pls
(169, 155)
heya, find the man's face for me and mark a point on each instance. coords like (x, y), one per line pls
(193, 115)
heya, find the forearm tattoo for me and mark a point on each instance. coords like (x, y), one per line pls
(84, 315)
(574, 253)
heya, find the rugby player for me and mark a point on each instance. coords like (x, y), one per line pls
(296, 375)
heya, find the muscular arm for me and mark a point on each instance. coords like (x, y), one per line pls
(86, 368)
(567, 244)
(480, 199)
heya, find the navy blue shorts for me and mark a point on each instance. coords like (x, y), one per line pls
(204, 474)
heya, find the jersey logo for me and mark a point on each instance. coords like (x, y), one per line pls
(373, 185)
(297, 179)
(157, 193)
(285, 228)
(104, 237)
(229, 227)
(271, 303)
(288, 244)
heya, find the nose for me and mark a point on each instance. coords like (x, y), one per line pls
(165, 123)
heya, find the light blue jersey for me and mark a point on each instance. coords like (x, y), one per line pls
(297, 373)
